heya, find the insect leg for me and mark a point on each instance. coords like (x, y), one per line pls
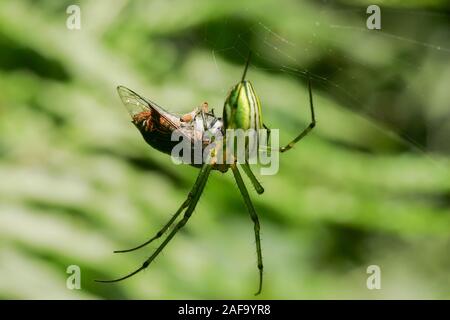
(254, 217)
(198, 190)
(259, 188)
(205, 126)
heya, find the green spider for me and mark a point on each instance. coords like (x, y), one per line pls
(242, 110)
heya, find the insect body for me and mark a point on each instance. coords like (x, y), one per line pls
(157, 125)
(242, 110)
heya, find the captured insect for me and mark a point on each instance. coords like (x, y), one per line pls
(242, 110)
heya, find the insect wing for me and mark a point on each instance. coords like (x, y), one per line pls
(136, 104)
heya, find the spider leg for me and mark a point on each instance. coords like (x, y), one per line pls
(197, 191)
(307, 129)
(164, 229)
(254, 217)
(259, 188)
(268, 131)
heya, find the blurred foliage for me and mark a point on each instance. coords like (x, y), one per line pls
(371, 185)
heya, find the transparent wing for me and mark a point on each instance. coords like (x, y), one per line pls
(133, 102)
(136, 104)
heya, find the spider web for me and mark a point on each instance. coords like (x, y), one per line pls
(277, 53)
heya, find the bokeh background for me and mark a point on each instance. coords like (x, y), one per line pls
(369, 186)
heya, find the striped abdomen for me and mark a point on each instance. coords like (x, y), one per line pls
(242, 109)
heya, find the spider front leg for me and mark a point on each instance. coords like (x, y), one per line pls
(306, 130)
(197, 191)
(254, 217)
(164, 229)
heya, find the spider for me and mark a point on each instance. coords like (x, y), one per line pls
(242, 110)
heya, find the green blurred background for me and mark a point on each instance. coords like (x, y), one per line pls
(370, 186)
